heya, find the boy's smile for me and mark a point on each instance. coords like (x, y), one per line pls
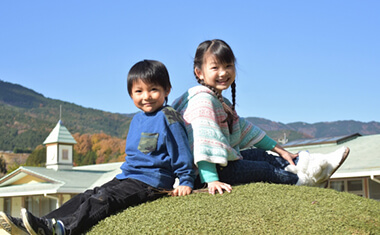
(148, 97)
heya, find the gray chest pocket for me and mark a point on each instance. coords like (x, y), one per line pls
(148, 142)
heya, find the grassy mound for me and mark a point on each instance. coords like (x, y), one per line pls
(258, 208)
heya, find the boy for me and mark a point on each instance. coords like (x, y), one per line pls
(157, 152)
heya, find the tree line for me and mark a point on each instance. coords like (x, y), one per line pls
(90, 149)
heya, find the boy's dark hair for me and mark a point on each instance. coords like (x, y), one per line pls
(224, 54)
(150, 72)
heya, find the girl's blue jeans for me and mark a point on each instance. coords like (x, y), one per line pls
(256, 166)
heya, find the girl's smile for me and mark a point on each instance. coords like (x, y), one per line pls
(215, 74)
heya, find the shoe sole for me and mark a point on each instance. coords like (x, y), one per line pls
(8, 226)
(24, 216)
(345, 155)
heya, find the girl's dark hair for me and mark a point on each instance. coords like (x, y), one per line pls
(150, 72)
(224, 54)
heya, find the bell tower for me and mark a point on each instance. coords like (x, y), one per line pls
(59, 148)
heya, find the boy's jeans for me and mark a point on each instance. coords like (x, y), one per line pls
(257, 166)
(86, 209)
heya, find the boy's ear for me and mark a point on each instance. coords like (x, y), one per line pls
(198, 73)
(168, 92)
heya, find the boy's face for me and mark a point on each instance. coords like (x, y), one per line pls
(148, 97)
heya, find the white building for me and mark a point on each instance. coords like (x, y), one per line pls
(40, 189)
(360, 173)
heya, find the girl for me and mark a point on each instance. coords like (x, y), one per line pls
(217, 135)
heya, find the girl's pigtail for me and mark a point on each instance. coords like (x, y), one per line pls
(233, 93)
(230, 111)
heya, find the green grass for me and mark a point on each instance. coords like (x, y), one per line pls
(250, 209)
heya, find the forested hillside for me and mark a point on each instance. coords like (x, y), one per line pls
(27, 117)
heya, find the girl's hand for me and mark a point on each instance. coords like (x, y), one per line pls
(181, 191)
(220, 186)
(289, 157)
(285, 154)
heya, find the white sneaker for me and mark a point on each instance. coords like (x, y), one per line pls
(334, 160)
(302, 169)
(302, 164)
(315, 169)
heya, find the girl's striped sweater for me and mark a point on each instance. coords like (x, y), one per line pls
(209, 137)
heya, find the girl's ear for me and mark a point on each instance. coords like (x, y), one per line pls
(198, 73)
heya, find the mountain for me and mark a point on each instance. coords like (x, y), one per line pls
(339, 128)
(27, 117)
(302, 130)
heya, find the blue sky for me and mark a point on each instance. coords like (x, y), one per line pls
(309, 61)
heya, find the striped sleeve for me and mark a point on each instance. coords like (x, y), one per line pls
(250, 134)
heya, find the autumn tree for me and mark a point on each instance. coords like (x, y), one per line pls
(97, 148)
(84, 144)
(89, 158)
(37, 157)
(3, 166)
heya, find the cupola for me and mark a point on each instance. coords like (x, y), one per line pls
(59, 148)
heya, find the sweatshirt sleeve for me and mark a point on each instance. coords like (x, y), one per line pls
(178, 147)
(207, 172)
(266, 143)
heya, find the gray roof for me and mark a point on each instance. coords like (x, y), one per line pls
(363, 160)
(319, 141)
(60, 134)
(75, 180)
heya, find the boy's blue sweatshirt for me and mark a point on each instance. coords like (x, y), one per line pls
(158, 150)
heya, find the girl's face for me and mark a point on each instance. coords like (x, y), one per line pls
(220, 76)
(148, 97)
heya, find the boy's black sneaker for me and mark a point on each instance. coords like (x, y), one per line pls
(37, 226)
(12, 225)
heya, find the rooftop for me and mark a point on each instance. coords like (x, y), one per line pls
(60, 134)
(364, 157)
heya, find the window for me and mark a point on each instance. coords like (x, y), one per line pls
(65, 154)
(337, 185)
(350, 186)
(355, 187)
(31, 204)
(374, 190)
(40, 205)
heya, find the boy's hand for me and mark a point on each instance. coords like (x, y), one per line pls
(181, 191)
